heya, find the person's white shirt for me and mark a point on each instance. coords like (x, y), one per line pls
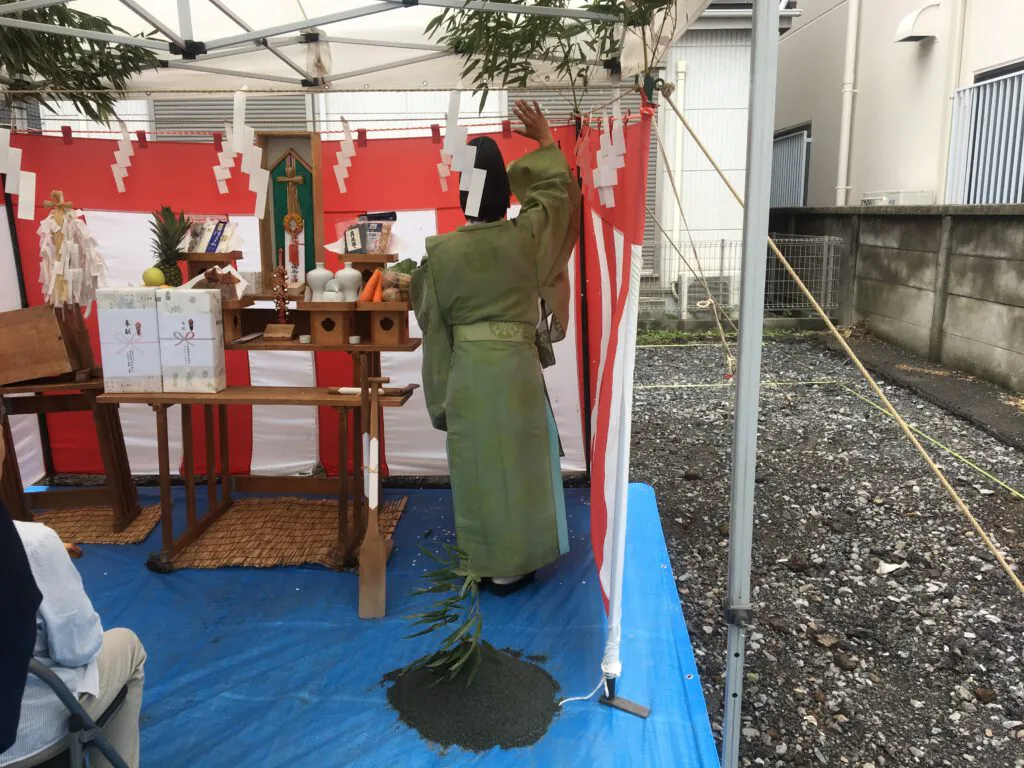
(68, 640)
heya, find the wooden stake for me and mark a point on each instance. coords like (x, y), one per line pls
(373, 554)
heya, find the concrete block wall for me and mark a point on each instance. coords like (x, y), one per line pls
(946, 282)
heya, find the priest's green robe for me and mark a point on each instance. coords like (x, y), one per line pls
(479, 297)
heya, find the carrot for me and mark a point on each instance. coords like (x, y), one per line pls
(371, 287)
(378, 292)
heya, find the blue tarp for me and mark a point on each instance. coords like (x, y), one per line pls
(273, 668)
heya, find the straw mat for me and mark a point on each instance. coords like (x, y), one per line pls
(268, 532)
(95, 525)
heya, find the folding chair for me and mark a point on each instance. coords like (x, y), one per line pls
(83, 732)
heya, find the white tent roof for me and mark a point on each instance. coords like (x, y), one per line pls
(373, 44)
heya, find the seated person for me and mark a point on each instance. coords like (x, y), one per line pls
(19, 601)
(93, 664)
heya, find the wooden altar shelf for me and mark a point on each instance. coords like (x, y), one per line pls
(331, 323)
(389, 321)
(200, 262)
(215, 411)
(297, 346)
(232, 311)
(326, 396)
(381, 324)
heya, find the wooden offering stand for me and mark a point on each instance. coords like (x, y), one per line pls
(382, 327)
(197, 263)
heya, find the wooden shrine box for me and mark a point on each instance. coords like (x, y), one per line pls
(331, 323)
(232, 310)
(41, 342)
(389, 322)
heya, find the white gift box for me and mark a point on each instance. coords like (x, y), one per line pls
(129, 339)
(191, 340)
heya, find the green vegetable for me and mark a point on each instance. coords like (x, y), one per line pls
(405, 267)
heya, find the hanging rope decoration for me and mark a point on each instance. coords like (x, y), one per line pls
(122, 156)
(343, 157)
(611, 156)
(243, 142)
(19, 182)
(457, 155)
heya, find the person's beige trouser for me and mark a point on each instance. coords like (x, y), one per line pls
(121, 661)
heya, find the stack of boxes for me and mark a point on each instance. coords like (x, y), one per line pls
(161, 340)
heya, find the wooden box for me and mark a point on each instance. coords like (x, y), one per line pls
(40, 342)
(331, 323)
(389, 322)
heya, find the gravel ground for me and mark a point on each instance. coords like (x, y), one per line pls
(921, 666)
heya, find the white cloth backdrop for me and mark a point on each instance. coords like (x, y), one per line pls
(413, 446)
(285, 437)
(24, 429)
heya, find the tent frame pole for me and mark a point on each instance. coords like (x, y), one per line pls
(584, 362)
(296, 26)
(185, 18)
(760, 131)
(232, 72)
(261, 43)
(28, 5)
(52, 29)
(384, 67)
(149, 18)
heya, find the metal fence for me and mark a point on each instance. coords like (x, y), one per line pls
(986, 149)
(679, 286)
(789, 170)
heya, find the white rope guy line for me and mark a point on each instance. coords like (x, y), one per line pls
(890, 408)
(717, 384)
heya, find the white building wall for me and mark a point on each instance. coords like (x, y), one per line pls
(902, 89)
(809, 90)
(711, 72)
(900, 104)
(993, 36)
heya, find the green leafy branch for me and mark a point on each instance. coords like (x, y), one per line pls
(504, 50)
(457, 605)
(36, 63)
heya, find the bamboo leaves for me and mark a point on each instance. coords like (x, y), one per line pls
(459, 652)
(504, 49)
(37, 63)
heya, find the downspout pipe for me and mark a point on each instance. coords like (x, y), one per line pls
(957, 28)
(849, 90)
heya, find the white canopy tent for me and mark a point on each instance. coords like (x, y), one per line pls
(211, 45)
(312, 45)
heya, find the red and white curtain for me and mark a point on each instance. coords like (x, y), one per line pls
(386, 175)
(613, 246)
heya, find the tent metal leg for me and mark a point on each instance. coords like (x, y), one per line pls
(760, 130)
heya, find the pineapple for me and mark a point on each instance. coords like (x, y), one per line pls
(168, 230)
